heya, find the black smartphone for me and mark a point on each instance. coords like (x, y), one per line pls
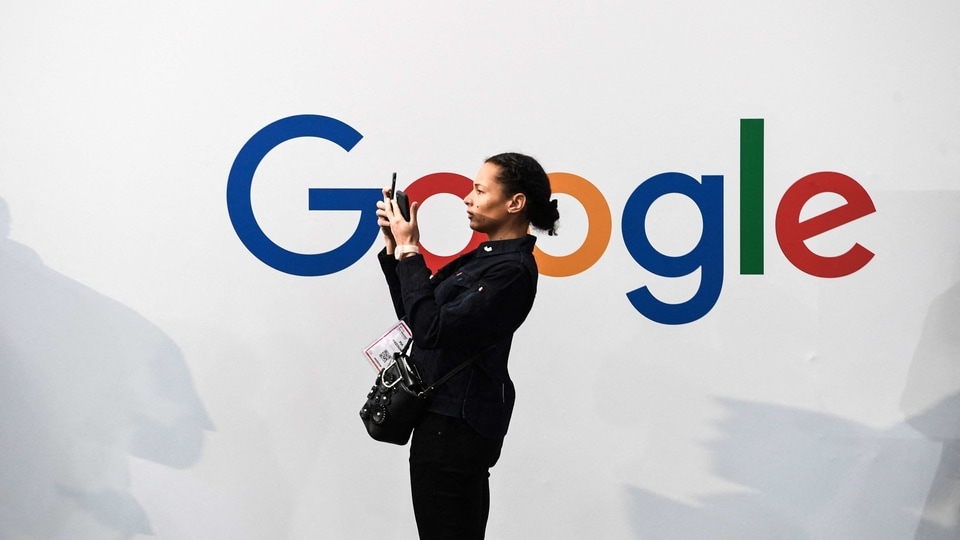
(403, 202)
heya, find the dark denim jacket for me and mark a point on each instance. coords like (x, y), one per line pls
(472, 306)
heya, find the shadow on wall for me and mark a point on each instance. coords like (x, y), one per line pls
(85, 382)
(807, 475)
(931, 402)
(802, 476)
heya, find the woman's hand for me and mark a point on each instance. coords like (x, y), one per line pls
(384, 221)
(396, 230)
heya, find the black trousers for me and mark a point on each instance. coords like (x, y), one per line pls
(449, 477)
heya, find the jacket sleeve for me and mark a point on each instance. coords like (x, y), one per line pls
(489, 306)
(388, 264)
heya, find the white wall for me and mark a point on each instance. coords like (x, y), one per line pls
(158, 379)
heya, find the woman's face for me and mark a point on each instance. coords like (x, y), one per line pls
(488, 207)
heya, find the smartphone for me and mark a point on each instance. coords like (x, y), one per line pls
(403, 202)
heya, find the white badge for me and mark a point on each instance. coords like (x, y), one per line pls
(380, 352)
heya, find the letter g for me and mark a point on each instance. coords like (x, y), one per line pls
(245, 223)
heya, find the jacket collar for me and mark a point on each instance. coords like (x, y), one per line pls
(524, 244)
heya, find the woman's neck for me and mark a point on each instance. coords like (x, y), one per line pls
(510, 231)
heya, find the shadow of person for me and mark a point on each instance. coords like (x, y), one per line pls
(931, 403)
(85, 383)
(801, 474)
(805, 473)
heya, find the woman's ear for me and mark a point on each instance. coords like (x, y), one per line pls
(517, 203)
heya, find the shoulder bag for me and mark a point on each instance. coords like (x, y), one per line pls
(397, 398)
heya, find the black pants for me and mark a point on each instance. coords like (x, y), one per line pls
(449, 477)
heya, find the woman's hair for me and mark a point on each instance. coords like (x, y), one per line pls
(522, 174)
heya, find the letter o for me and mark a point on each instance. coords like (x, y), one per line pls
(433, 184)
(599, 227)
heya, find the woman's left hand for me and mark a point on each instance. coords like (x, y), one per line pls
(405, 233)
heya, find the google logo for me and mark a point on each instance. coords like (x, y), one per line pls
(706, 193)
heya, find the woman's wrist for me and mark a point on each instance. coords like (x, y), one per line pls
(403, 250)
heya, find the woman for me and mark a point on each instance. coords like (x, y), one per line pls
(470, 308)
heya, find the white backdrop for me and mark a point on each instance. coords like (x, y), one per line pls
(159, 380)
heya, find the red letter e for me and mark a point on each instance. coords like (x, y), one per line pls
(791, 232)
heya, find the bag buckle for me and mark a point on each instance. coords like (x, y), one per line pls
(383, 379)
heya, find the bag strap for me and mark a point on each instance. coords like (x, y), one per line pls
(429, 390)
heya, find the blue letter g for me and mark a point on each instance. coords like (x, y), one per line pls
(245, 223)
